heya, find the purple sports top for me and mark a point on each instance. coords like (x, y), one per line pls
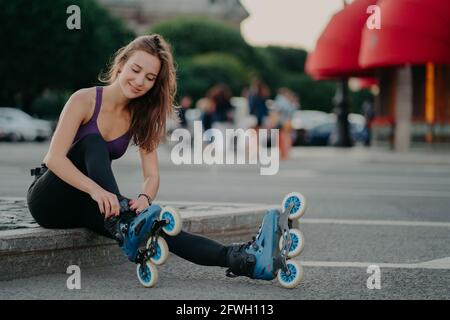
(116, 147)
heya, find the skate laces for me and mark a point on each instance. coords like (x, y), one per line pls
(250, 243)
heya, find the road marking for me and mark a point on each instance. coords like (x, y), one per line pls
(345, 191)
(377, 222)
(443, 264)
(351, 177)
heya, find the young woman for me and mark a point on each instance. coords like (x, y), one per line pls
(75, 186)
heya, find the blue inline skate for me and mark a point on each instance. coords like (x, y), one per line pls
(268, 256)
(139, 237)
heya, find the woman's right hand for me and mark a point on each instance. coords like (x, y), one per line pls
(107, 202)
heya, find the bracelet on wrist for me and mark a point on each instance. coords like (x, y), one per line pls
(149, 199)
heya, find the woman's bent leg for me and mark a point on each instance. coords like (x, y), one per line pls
(56, 204)
(198, 249)
(91, 156)
(51, 202)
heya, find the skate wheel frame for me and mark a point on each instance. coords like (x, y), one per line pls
(293, 279)
(162, 251)
(299, 202)
(175, 222)
(147, 274)
(297, 245)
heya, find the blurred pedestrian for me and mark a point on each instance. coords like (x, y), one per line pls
(257, 102)
(223, 117)
(257, 98)
(220, 96)
(285, 104)
(368, 111)
(185, 104)
(206, 106)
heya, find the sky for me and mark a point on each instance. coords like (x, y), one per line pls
(293, 23)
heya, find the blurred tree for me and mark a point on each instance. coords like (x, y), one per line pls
(191, 36)
(40, 52)
(314, 95)
(267, 69)
(285, 68)
(48, 105)
(282, 66)
(288, 59)
(209, 52)
(201, 72)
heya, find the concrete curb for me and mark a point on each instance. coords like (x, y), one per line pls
(33, 251)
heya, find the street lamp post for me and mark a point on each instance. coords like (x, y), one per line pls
(341, 108)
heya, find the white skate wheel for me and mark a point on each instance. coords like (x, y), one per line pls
(293, 279)
(162, 251)
(297, 245)
(148, 278)
(299, 202)
(175, 223)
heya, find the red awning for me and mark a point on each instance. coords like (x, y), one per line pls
(337, 49)
(412, 32)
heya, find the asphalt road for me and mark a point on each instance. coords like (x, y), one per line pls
(364, 208)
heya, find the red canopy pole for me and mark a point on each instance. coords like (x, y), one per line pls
(342, 106)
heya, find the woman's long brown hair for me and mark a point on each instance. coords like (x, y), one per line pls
(150, 111)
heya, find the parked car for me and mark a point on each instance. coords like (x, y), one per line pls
(304, 120)
(16, 125)
(326, 133)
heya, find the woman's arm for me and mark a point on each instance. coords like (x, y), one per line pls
(75, 110)
(150, 170)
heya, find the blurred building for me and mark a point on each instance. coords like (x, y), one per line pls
(142, 14)
(408, 57)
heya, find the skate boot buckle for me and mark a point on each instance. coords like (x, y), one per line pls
(124, 228)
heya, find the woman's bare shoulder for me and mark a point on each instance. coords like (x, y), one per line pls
(83, 95)
(83, 100)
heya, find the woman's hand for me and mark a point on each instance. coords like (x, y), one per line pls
(139, 204)
(107, 202)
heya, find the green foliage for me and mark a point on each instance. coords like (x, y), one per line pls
(49, 104)
(314, 95)
(44, 61)
(267, 68)
(39, 51)
(200, 73)
(284, 67)
(191, 36)
(287, 59)
(208, 52)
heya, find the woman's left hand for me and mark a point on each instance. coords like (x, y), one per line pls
(139, 204)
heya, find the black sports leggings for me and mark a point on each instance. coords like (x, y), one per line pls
(54, 203)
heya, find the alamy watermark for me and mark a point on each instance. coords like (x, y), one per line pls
(74, 281)
(236, 146)
(374, 281)
(374, 21)
(74, 20)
